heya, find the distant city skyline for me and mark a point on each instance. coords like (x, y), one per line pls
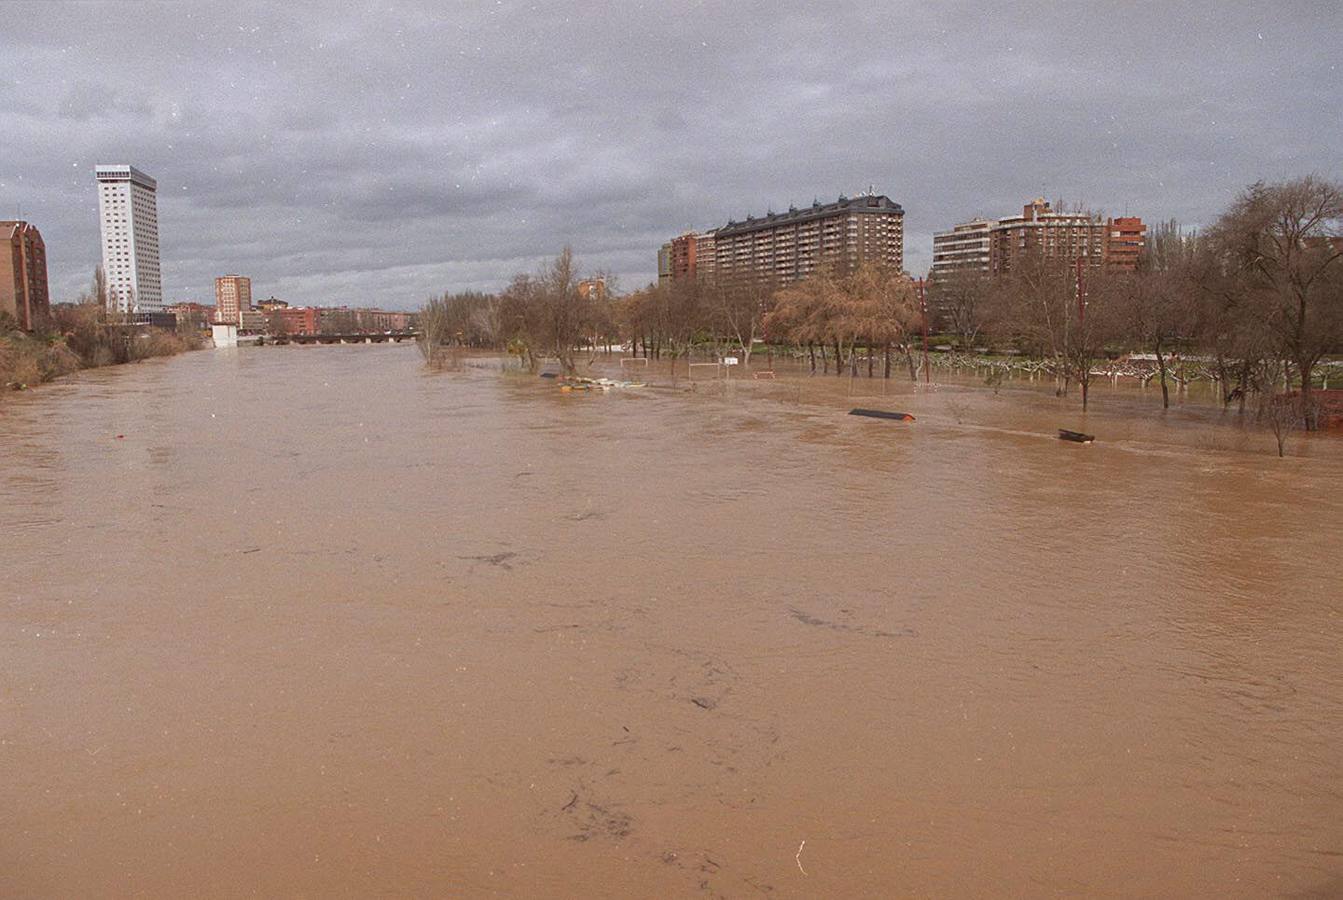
(376, 157)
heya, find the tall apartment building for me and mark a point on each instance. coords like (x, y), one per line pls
(964, 248)
(1055, 235)
(664, 262)
(1125, 239)
(23, 275)
(692, 255)
(233, 297)
(128, 213)
(1068, 237)
(995, 246)
(784, 247)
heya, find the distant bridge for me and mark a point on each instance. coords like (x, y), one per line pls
(358, 337)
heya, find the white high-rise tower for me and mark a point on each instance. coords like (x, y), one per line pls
(128, 211)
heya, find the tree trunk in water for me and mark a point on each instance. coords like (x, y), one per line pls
(825, 362)
(811, 352)
(1161, 366)
(870, 360)
(886, 353)
(1085, 382)
(913, 369)
(1307, 400)
(839, 360)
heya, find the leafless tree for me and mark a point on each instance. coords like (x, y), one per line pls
(1284, 243)
(546, 314)
(961, 298)
(1153, 305)
(434, 329)
(1279, 411)
(738, 309)
(1037, 306)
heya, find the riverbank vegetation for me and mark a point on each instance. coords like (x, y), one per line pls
(1254, 304)
(80, 336)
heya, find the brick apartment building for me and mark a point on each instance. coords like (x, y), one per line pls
(1055, 235)
(23, 275)
(1125, 240)
(693, 255)
(335, 320)
(784, 247)
(233, 295)
(379, 320)
(995, 246)
(295, 320)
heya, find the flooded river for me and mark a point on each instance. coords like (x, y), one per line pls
(312, 621)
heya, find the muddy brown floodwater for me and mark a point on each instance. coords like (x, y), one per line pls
(311, 621)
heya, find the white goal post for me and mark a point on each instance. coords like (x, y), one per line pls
(706, 370)
(629, 362)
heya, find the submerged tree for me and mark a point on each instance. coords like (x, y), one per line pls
(738, 310)
(961, 300)
(1153, 305)
(1283, 243)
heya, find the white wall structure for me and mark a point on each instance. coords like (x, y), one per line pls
(128, 213)
(224, 335)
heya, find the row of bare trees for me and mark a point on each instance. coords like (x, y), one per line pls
(546, 315)
(543, 315)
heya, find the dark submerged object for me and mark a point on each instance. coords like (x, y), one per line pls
(1075, 436)
(882, 414)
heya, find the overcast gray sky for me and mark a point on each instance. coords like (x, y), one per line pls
(380, 154)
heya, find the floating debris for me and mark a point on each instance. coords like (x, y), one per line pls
(882, 414)
(579, 383)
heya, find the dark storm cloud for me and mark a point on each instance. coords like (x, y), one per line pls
(382, 154)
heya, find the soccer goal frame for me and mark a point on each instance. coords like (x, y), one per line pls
(719, 370)
(633, 362)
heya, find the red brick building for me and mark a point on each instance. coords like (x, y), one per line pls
(1067, 237)
(334, 320)
(23, 275)
(693, 255)
(233, 295)
(295, 320)
(1125, 239)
